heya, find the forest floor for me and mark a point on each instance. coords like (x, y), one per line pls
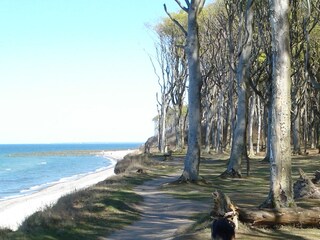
(150, 206)
(163, 216)
(181, 211)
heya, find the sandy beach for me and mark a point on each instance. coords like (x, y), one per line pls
(14, 211)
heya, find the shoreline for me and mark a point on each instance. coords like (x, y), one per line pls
(14, 211)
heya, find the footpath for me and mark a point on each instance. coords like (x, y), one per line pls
(163, 216)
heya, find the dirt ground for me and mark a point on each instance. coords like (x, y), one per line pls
(163, 216)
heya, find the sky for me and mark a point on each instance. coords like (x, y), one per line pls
(77, 70)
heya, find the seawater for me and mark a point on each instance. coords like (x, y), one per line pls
(27, 168)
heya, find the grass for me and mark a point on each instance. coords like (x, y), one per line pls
(111, 204)
(247, 192)
(89, 214)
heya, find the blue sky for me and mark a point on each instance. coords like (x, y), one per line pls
(77, 70)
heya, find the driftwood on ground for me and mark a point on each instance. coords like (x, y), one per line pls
(223, 207)
(286, 216)
(304, 187)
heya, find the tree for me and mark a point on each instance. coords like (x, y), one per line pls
(165, 81)
(192, 160)
(239, 143)
(281, 194)
(172, 39)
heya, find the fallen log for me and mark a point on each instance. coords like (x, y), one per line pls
(285, 216)
(304, 187)
(223, 207)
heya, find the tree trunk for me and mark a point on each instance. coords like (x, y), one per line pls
(296, 131)
(192, 160)
(281, 193)
(179, 127)
(223, 207)
(239, 143)
(209, 116)
(312, 131)
(284, 216)
(268, 129)
(209, 123)
(305, 125)
(259, 124)
(251, 116)
(231, 76)
(219, 147)
(163, 126)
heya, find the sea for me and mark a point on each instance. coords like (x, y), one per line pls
(28, 168)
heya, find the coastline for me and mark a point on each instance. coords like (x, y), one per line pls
(14, 211)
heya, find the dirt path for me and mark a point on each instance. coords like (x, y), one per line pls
(163, 216)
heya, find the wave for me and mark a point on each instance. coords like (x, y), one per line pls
(31, 185)
(38, 188)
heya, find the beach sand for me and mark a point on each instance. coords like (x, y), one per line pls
(14, 211)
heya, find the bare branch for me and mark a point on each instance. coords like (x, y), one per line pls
(182, 7)
(201, 4)
(155, 70)
(187, 2)
(175, 21)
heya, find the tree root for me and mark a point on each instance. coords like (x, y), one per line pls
(231, 174)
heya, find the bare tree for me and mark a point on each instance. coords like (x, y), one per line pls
(166, 83)
(239, 143)
(192, 160)
(281, 194)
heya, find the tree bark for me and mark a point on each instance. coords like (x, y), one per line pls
(281, 193)
(239, 144)
(219, 147)
(251, 116)
(163, 138)
(192, 160)
(296, 131)
(284, 216)
(259, 124)
(223, 207)
(268, 112)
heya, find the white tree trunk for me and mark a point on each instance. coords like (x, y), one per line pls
(250, 124)
(296, 131)
(281, 193)
(259, 124)
(192, 160)
(219, 147)
(163, 127)
(239, 144)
